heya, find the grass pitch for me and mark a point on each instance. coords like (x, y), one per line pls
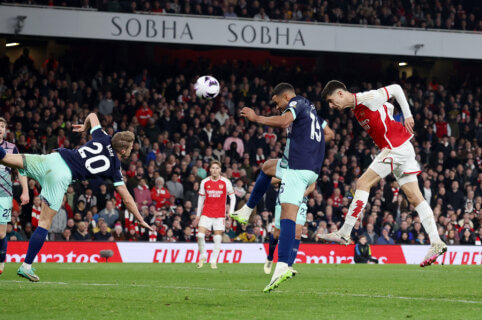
(180, 291)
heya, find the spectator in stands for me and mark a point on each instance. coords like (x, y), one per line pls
(142, 195)
(82, 232)
(175, 152)
(13, 235)
(403, 230)
(89, 199)
(159, 194)
(27, 232)
(106, 104)
(118, 234)
(247, 236)
(467, 237)
(371, 236)
(102, 196)
(187, 236)
(385, 237)
(103, 234)
(109, 214)
(175, 187)
(67, 235)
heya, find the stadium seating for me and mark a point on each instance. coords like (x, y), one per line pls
(421, 14)
(41, 104)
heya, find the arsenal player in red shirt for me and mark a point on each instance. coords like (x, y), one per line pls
(211, 210)
(375, 114)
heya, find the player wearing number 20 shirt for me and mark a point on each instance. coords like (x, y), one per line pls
(95, 158)
(100, 157)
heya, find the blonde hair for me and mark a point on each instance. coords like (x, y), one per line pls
(122, 140)
(2, 119)
(214, 162)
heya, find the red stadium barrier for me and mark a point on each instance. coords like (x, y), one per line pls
(335, 254)
(89, 252)
(79, 252)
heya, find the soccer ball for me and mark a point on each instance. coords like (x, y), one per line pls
(207, 87)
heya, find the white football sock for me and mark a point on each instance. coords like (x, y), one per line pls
(26, 266)
(428, 221)
(217, 247)
(357, 206)
(201, 242)
(2, 265)
(281, 268)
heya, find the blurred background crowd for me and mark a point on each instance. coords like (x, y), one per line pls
(177, 135)
(438, 14)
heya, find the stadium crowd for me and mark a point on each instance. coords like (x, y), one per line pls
(177, 135)
(438, 14)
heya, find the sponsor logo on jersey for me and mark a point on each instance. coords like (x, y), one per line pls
(365, 124)
(111, 153)
(292, 104)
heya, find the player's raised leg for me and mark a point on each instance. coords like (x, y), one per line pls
(358, 204)
(415, 197)
(36, 242)
(273, 243)
(261, 186)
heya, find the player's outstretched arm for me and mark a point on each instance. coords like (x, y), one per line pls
(310, 189)
(91, 121)
(396, 91)
(131, 205)
(282, 121)
(329, 134)
(200, 206)
(24, 197)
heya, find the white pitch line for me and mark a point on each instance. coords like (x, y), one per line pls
(255, 291)
(392, 297)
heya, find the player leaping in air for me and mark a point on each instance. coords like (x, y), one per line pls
(100, 157)
(300, 222)
(211, 210)
(299, 168)
(397, 156)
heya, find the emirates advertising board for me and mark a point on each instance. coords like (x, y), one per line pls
(137, 252)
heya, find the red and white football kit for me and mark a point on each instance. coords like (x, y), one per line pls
(212, 202)
(375, 115)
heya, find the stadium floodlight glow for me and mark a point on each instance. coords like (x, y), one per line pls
(402, 64)
(12, 44)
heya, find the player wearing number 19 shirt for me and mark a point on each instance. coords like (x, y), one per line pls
(299, 168)
(100, 157)
(397, 156)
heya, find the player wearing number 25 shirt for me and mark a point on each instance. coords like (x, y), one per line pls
(100, 157)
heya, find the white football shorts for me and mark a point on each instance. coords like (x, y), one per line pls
(218, 224)
(400, 161)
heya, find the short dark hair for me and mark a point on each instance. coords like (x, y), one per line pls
(282, 87)
(330, 87)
